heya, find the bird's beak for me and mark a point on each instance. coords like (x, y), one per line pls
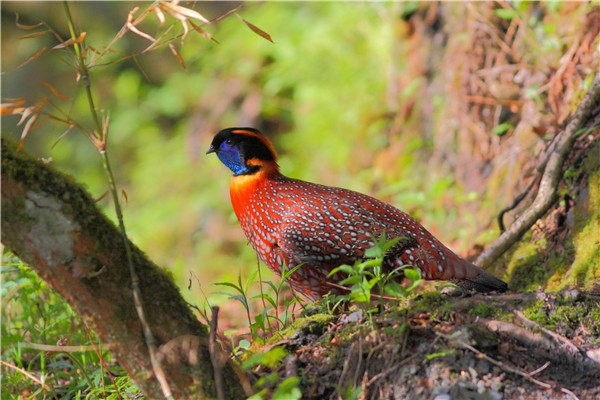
(211, 149)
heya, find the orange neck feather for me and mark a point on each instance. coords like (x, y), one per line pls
(242, 187)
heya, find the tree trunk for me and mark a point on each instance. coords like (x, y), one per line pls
(52, 224)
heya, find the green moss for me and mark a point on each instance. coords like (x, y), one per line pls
(586, 265)
(486, 311)
(575, 261)
(433, 302)
(315, 324)
(526, 267)
(566, 314)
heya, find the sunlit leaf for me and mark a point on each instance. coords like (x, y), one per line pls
(56, 92)
(32, 110)
(159, 14)
(182, 13)
(26, 27)
(26, 130)
(176, 53)
(71, 126)
(70, 42)
(203, 32)
(30, 58)
(101, 197)
(40, 123)
(135, 30)
(36, 34)
(256, 29)
(131, 26)
(12, 107)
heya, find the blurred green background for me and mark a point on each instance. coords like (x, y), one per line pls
(375, 97)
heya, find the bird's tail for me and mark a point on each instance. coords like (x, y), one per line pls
(469, 276)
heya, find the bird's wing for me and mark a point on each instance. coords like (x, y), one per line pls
(325, 239)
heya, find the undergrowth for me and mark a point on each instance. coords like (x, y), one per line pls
(372, 290)
(47, 351)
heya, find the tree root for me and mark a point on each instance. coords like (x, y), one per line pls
(547, 192)
(539, 341)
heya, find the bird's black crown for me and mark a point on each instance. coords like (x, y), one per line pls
(250, 143)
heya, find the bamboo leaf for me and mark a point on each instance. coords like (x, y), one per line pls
(159, 14)
(30, 58)
(56, 92)
(26, 130)
(70, 42)
(32, 110)
(26, 27)
(182, 13)
(36, 34)
(71, 126)
(12, 107)
(101, 197)
(203, 32)
(256, 29)
(176, 53)
(135, 30)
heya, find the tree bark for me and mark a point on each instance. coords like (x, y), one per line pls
(53, 225)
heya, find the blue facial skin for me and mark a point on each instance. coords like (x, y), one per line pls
(230, 156)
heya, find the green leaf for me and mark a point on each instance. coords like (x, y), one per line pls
(285, 275)
(268, 359)
(502, 129)
(344, 268)
(351, 280)
(395, 289)
(371, 263)
(266, 297)
(391, 243)
(412, 274)
(506, 13)
(250, 280)
(288, 390)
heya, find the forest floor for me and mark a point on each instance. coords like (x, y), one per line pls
(508, 346)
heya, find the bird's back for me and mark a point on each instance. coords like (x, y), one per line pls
(323, 227)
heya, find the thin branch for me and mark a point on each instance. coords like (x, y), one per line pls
(101, 145)
(214, 356)
(27, 374)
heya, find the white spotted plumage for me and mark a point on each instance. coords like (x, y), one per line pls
(292, 222)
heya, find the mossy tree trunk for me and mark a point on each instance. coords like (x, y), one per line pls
(52, 224)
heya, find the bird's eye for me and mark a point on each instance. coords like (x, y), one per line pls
(229, 142)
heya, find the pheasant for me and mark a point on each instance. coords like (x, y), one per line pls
(292, 222)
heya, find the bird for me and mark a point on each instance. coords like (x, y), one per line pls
(290, 222)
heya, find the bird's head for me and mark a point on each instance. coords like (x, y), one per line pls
(245, 151)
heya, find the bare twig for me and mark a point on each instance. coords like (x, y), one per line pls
(516, 371)
(44, 385)
(112, 379)
(100, 143)
(504, 366)
(546, 332)
(214, 356)
(514, 204)
(547, 193)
